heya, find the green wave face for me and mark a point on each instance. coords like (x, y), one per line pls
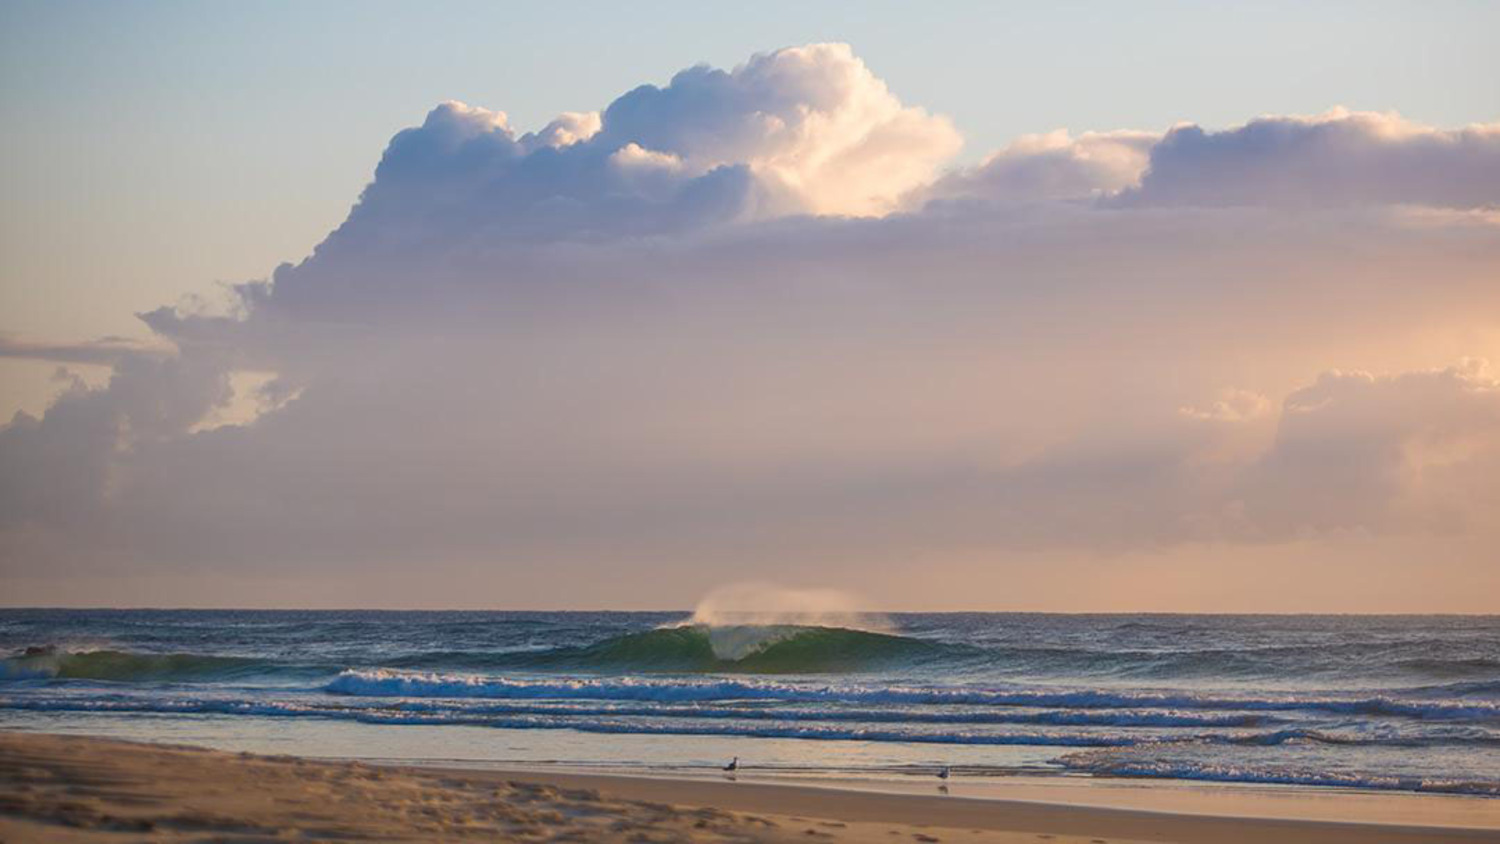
(751, 649)
(779, 649)
(121, 666)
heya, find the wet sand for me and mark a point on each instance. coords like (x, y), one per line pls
(69, 788)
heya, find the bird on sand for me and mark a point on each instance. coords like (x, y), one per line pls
(734, 764)
(944, 772)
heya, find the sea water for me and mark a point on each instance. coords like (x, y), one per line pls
(1371, 702)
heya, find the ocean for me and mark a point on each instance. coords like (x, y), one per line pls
(1366, 702)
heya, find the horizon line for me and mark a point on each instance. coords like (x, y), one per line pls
(143, 608)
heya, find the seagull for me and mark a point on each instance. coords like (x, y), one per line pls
(734, 764)
(944, 772)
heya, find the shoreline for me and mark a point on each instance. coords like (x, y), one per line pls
(1155, 796)
(75, 788)
(1029, 810)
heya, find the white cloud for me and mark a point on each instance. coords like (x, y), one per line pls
(819, 131)
(570, 127)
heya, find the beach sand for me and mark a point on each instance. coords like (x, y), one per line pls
(70, 788)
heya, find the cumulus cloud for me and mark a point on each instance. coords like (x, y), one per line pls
(1340, 158)
(682, 335)
(569, 128)
(1336, 159)
(799, 130)
(819, 131)
(1051, 166)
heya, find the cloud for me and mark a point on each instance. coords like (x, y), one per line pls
(1050, 167)
(799, 130)
(1337, 159)
(819, 131)
(1340, 158)
(682, 336)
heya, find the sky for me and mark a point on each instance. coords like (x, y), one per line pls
(1077, 307)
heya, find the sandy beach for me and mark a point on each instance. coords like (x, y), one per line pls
(69, 788)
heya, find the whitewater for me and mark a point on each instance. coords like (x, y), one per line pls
(1388, 702)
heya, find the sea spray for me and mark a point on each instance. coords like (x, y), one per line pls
(743, 618)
